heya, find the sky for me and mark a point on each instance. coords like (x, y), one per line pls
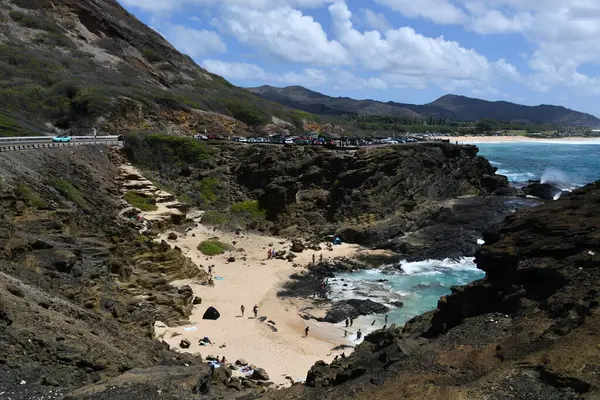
(413, 51)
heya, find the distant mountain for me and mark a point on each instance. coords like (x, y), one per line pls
(453, 107)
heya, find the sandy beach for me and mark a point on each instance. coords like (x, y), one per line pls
(250, 280)
(498, 139)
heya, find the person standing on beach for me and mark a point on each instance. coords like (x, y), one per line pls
(321, 257)
(313, 259)
(269, 254)
(210, 269)
(358, 334)
(351, 321)
(306, 332)
(345, 333)
(242, 308)
(347, 322)
(386, 317)
(255, 309)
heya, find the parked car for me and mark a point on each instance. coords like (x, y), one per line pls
(61, 139)
(201, 137)
(289, 141)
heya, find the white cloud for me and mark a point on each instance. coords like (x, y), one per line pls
(310, 77)
(375, 20)
(439, 11)
(158, 6)
(193, 42)
(403, 55)
(284, 33)
(507, 70)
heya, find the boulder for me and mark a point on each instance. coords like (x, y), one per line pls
(340, 310)
(61, 260)
(241, 362)
(197, 300)
(14, 290)
(172, 236)
(231, 259)
(260, 374)
(211, 313)
(297, 246)
(185, 344)
(545, 191)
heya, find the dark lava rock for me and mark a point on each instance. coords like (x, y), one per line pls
(297, 246)
(197, 300)
(172, 236)
(260, 374)
(340, 310)
(185, 344)
(545, 191)
(62, 260)
(211, 313)
(231, 259)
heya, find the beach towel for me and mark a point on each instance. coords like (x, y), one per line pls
(219, 278)
(190, 329)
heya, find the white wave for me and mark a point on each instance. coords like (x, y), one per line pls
(480, 242)
(427, 266)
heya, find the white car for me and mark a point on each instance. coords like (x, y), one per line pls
(243, 140)
(289, 141)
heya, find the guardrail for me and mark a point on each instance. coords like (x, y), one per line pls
(29, 146)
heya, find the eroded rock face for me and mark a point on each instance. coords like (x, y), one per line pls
(528, 330)
(544, 191)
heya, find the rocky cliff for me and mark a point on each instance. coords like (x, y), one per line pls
(528, 330)
(373, 196)
(80, 288)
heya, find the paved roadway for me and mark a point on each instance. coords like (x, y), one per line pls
(16, 145)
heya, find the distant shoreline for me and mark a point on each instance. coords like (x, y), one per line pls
(491, 139)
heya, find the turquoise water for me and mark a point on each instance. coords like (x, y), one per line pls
(421, 284)
(569, 164)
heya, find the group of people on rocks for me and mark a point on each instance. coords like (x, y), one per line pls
(272, 253)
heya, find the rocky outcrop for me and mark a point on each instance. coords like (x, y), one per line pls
(527, 330)
(544, 191)
(340, 310)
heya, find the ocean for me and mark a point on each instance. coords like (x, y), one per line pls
(421, 284)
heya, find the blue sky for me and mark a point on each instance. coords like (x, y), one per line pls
(525, 51)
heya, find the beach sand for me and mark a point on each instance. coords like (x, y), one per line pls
(251, 280)
(486, 139)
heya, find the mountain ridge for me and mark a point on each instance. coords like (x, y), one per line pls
(451, 106)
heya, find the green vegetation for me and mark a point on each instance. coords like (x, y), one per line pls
(247, 112)
(70, 192)
(55, 39)
(214, 218)
(140, 201)
(206, 189)
(153, 56)
(28, 4)
(159, 151)
(32, 199)
(34, 22)
(249, 207)
(213, 247)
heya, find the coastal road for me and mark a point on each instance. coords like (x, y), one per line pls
(40, 142)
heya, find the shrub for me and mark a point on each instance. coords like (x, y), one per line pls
(140, 201)
(28, 4)
(153, 56)
(69, 191)
(32, 199)
(55, 39)
(213, 218)
(159, 151)
(206, 189)
(250, 208)
(34, 22)
(213, 247)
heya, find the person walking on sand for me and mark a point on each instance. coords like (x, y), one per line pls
(321, 257)
(269, 254)
(351, 321)
(345, 333)
(255, 310)
(210, 269)
(347, 322)
(306, 332)
(358, 334)
(313, 259)
(242, 309)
